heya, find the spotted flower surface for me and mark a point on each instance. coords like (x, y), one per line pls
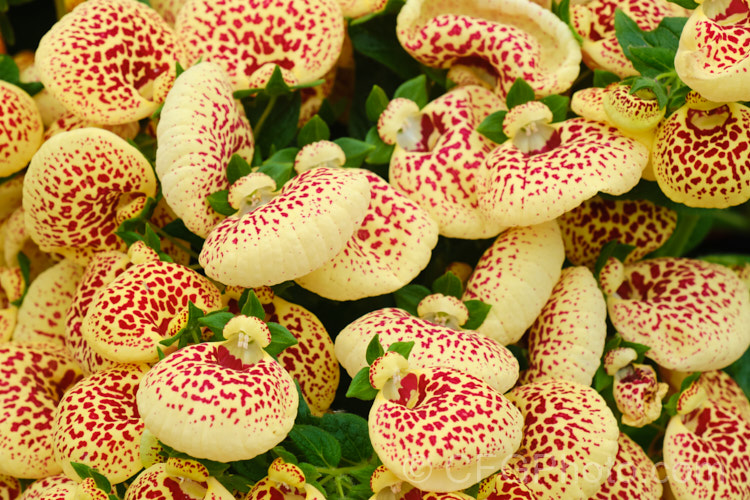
(633, 474)
(439, 170)
(695, 316)
(484, 34)
(21, 129)
(303, 37)
(109, 61)
(639, 223)
(75, 186)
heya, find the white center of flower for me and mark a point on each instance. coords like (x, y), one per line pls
(256, 199)
(533, 136)
(442, 319)
(410, 134)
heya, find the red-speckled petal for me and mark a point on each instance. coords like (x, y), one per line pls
(75, 185)
(633, 475)
(57, 487)
(312, 361)
(359, 8)
(167, 9)
(201, 126)
(41, 317)
(11, 192)
(595, 22)
(195, 403)
(725, 393)
(21, 129)
(458, 431)
(434, 346)
(10, 488)
(100, 272)
(582, 158)
(302, 36)
(390, 248)
(516, 276)
(34, 378)
(712, 57)
(706, 454)
(639, 223)
(293, 234)
(508, 39)
(69, 121)
(701, 158)
(694, 315)
(638, 394)
(567, 339)
(109, 61)
(127, 319)
(440, 171)
(268, 489)
(97, 424)
(156, 483)
(570, 439)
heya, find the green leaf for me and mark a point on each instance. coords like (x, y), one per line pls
(688, 4)
(492, 127)
(177, 229)
(25, 265)
(151, 239)
(276, 127)
(740, 372)
(219, 201)
(646, 83)
(160, 354)
(84, 471)
(659, 59)
(603, 78)
(360, 387)
(281, 338)
(251, 305)
(478, 312)
(562, 11)
(409, 297)
(352, 433)
(374, 349)
(314, 130)
(310, 472)
(304, 415)
(611, 249)
(286, 455)
(671, 405)
(601, 379)
(8, 69)
(129, 237)
(415, 90)
(237, 168)
(520, 93)
(361, 491)
(448, 284)
(558, 104)
(381, 154)
(256, 468)
(727, 259)
(216, 321)
(355, 150)
(235, 482)
(403, 348)
(376, 103)
(377, 40)
(317, 446)
(279, 172)
(276, 85)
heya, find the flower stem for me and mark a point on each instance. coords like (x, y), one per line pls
(175, 242)
(266, 112)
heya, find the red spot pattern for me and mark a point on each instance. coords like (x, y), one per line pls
(57, 487)
(458, 421)
(99, 61)
(155, 484)
(567, 339)
(312, 361)
(73, 186)
(201, 126)
(706, 454)
(129, 316)
(103, 268)
(702, 158)
(442, 179)
(638, 394)
(434, 346)
(694, 315)
(10, 488)
(190, 402)
(393, 244)
(516, 276)
(301, 36)
(519, 189)
(21, 129)
(293, 234)
(724, 392)
(68, 121)
(633, 475)
(33, 378)
(639, 223)
(515, 40)
(97, 423)
(569, 439)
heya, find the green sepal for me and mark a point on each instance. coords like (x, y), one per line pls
(671, 405)
(316, 446)
(25, 265)
(492, 127)
(382, 152)
(356, 151)
(376, 103)
(281, 338)
(237, 168)
(402, 348)
(519, 93)
(478, 312)
(316, 129)
(414, 89)
(409, 297)
(219, 201)
(360, 387)
(558, 104)
(448, 284)
(374, 350)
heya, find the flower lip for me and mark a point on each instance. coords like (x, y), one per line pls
(21, 129)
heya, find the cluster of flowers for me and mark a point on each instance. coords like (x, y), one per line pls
(152, 195)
